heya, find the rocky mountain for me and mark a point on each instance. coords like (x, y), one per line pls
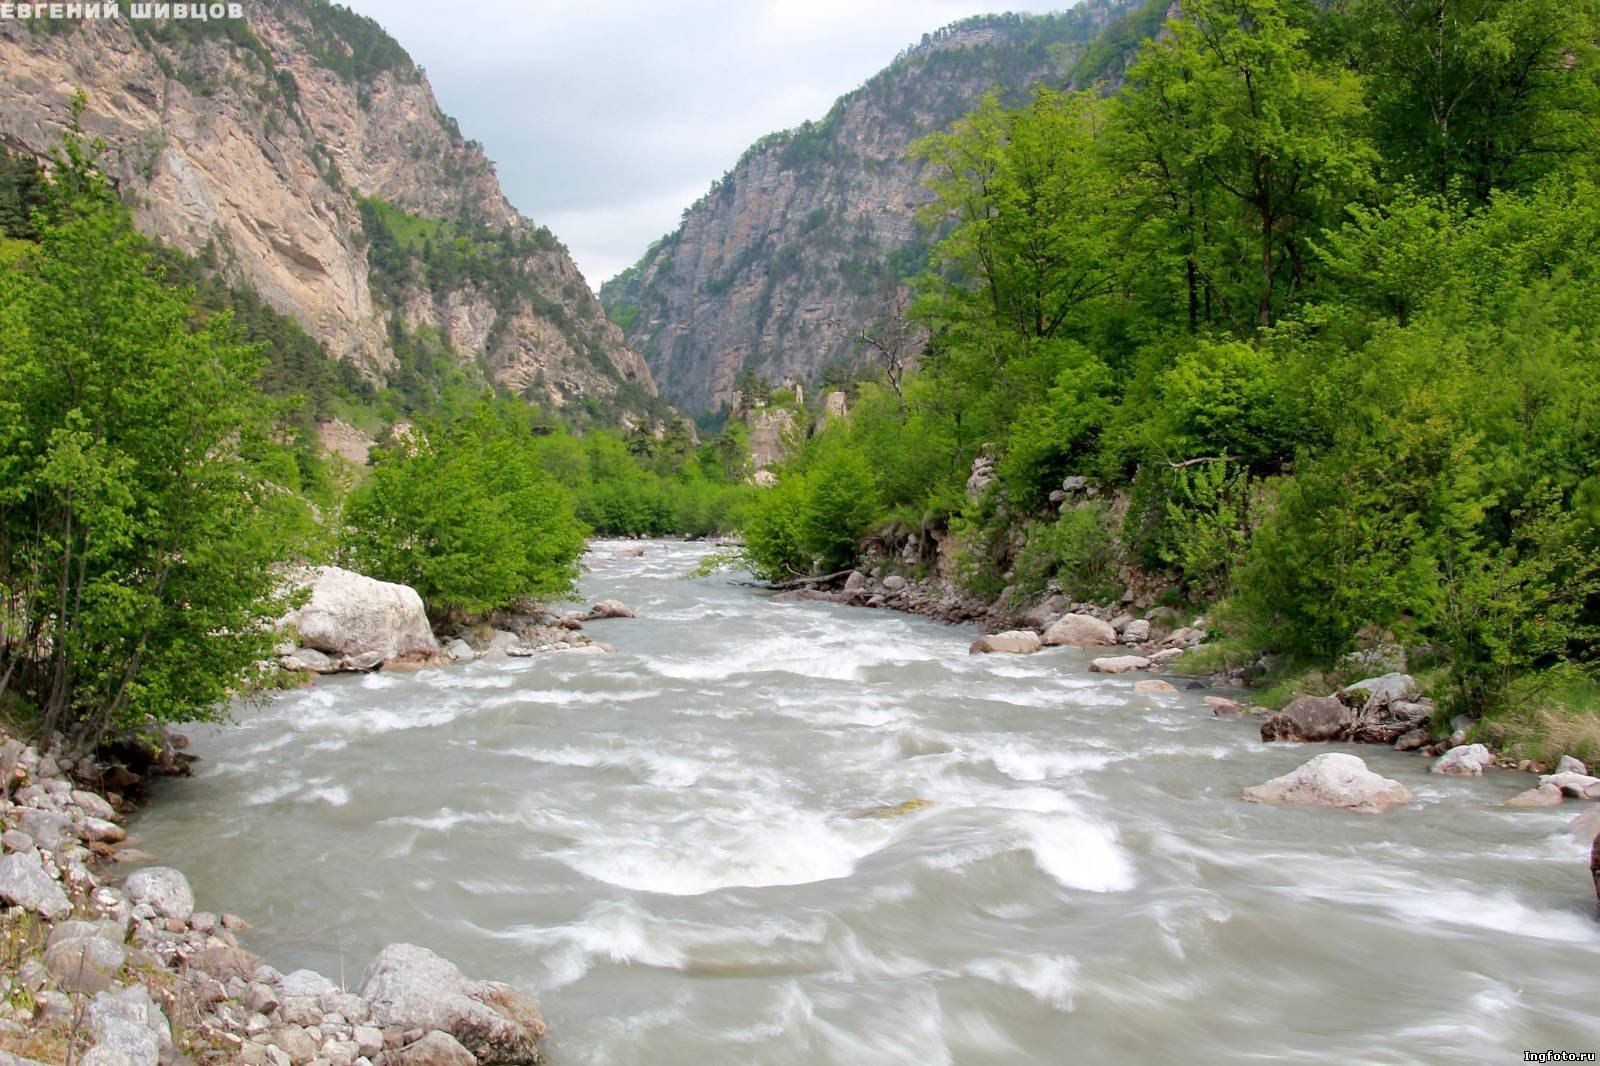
(301, 151)
(803, 244)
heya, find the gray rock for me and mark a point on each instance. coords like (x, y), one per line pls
(121, 1025)
(1542, 796)
(101, 831)
(310, 659)
(1376, 692)
(300, 1045)
(16, 840)
(355, 618)
(435, 1049)
(894, 583)
(856, 580)
(49, 829)
(1469, 760)
(345, 1005)
(305, 983)
(1080, 630)
(1014, 642)
(1136, 631)
(94, 805)
(105, 1055)
(1309, 718)
(24, 883)
(1578, 786)
(1333, 780)
(1119, 664)
(411, 987)
(163, 889)
(261, 998)
(609, 609)
(1157, 687)
(84, 963)
(369, 1040)
(1569, 765)
(459, 651)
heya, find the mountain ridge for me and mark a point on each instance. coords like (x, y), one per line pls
(253, 144)
(795, 252)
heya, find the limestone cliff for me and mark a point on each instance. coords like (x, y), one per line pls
(800, 248)
(261, 146)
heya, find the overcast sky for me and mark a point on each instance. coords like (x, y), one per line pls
(606, 118)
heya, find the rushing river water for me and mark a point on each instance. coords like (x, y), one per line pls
(664, 845)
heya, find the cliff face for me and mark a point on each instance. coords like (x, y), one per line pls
(801, 247)
(255, 144)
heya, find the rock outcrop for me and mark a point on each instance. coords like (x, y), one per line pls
(1333, 780)
(1012, 642)
(352, 622)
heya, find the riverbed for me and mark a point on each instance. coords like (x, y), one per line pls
(686, 851)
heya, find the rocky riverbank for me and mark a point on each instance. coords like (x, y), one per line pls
(101, 970)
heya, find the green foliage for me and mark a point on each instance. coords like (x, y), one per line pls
(138, 513)
(1077, 552)
(839, 506)
(21, 194)
(774, 540)
(1211, 513)
(465, 514)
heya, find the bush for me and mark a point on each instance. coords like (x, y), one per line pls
(1078, 550)
(465, 514)
(774, 545)
(136, 532)
(1210, 513)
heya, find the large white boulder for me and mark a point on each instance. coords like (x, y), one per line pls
(1082, 630)
(1333, 780)
(164, 889)
(1465, 760)
(412, 988)
(362, 622)
(24, 883)
(1011, 642)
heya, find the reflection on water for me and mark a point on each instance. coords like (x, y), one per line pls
(665, 845)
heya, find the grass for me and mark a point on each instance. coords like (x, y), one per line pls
(1546, 716)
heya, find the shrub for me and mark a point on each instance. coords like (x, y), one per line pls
(464, 514)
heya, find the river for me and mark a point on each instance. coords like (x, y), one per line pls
(665, 847)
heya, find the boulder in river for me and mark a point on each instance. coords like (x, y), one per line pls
(1578, 786)
(412, 988)
(1335, 779)
(1467, 760)
(1081, 630)
(1155, 687)
(361, 622)
(1543, 796)
(1375, 692)
(1309, 718)
(1119, 664)
(1012, 642)
(609, 609)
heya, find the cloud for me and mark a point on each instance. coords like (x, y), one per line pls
(606, 118)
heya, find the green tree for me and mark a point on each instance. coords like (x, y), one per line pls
(135, 532)
(465, 514)
(1471, 96)
(1242, 143)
